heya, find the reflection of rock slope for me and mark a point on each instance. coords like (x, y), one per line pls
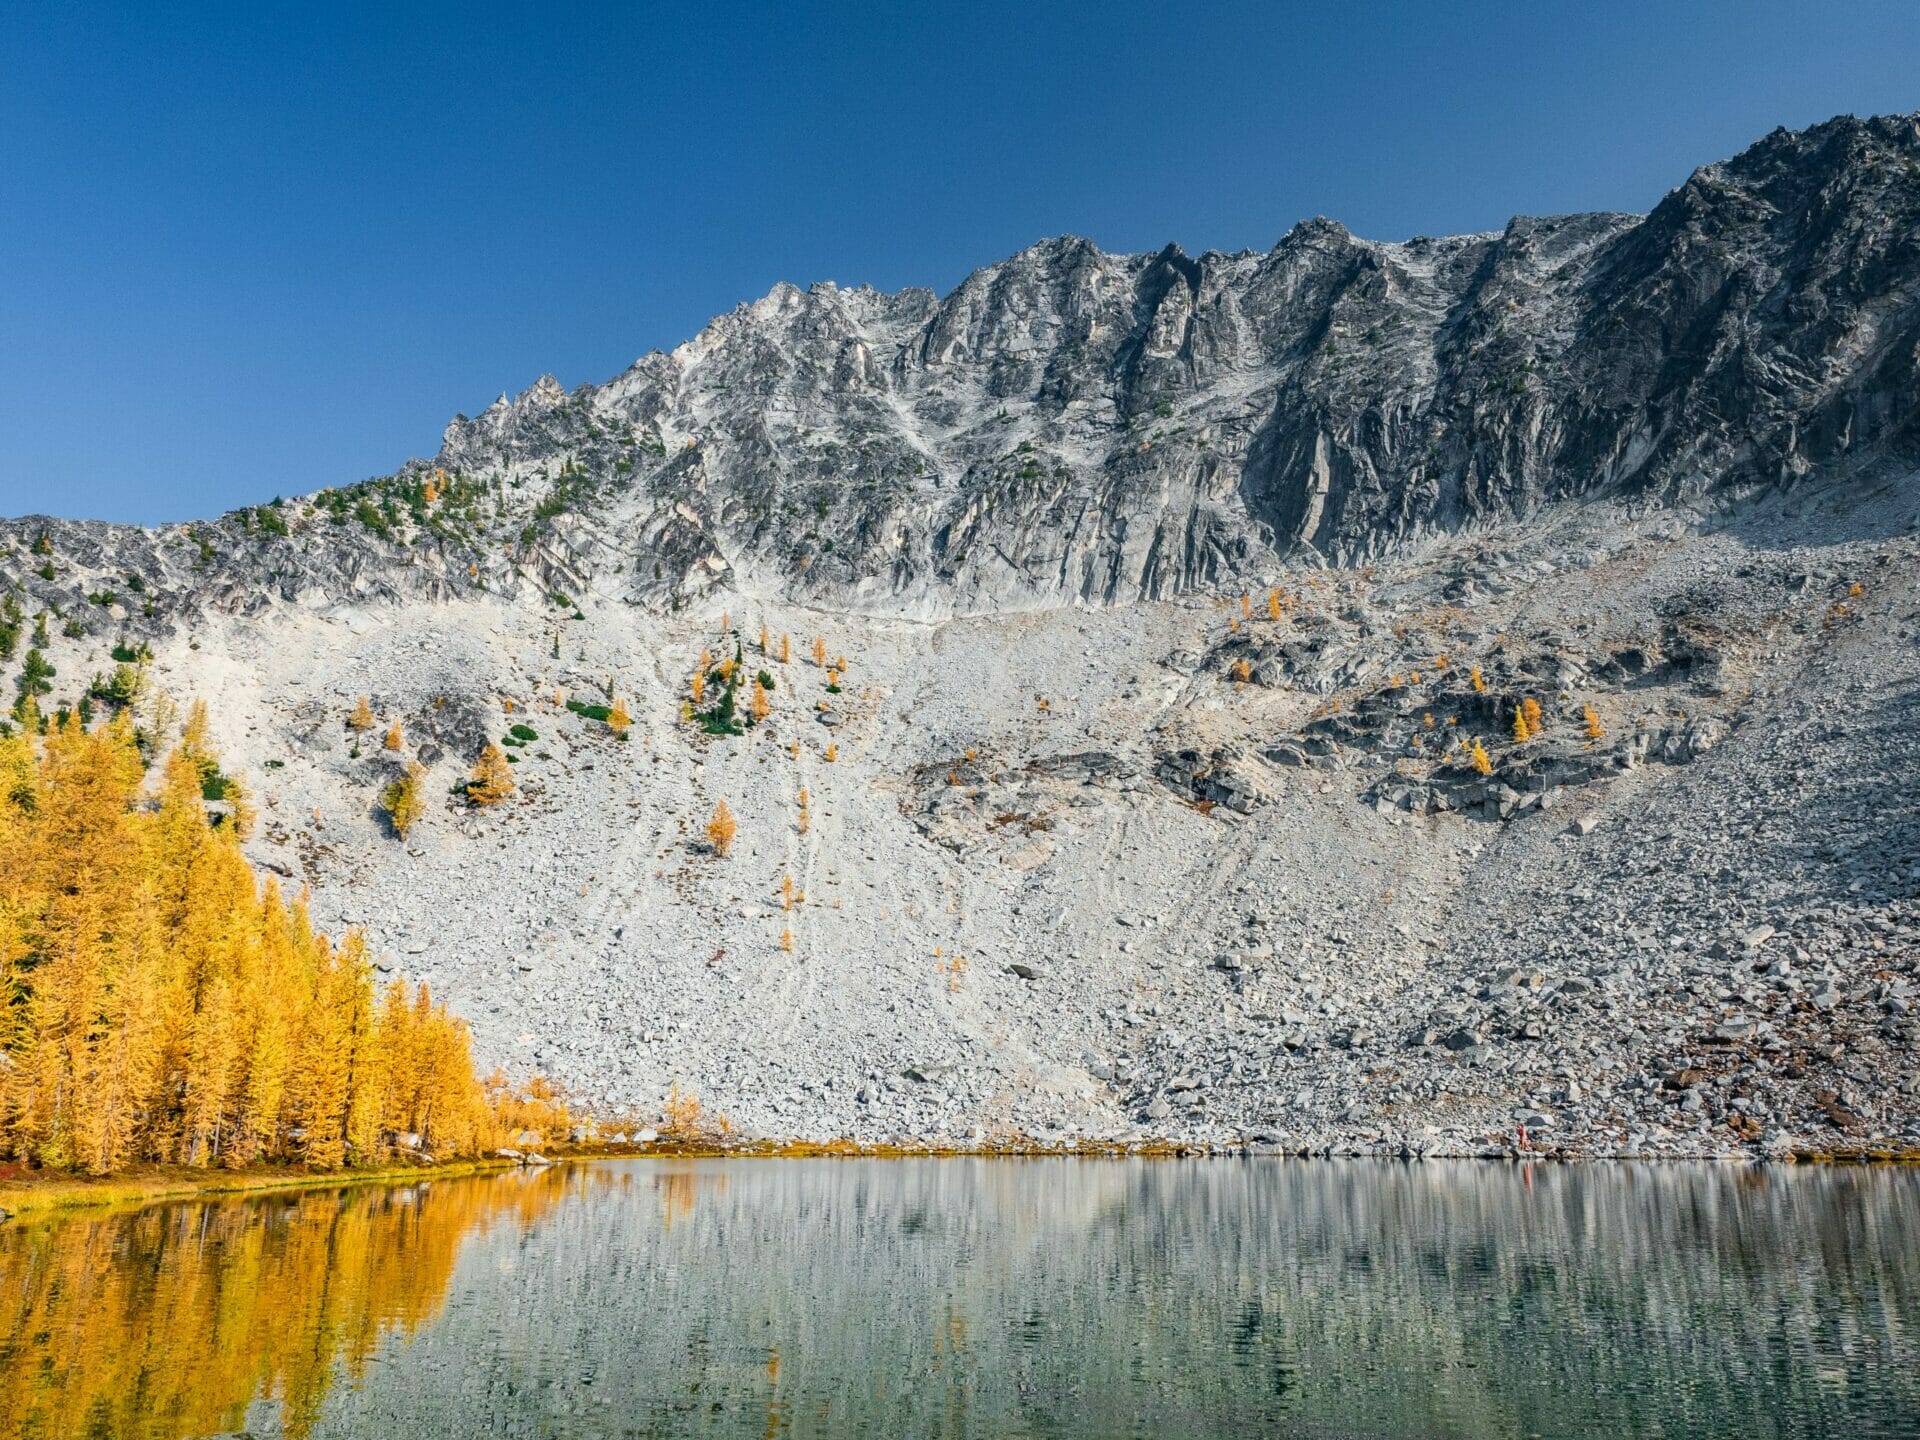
(1197, 1299)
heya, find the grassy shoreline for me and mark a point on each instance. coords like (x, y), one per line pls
(39, 1193)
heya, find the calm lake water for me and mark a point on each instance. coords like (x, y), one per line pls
(985, 1298)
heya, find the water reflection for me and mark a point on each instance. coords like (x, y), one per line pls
(951, 1298)
(169, 1321)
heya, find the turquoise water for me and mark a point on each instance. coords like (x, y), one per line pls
(1056, 1298)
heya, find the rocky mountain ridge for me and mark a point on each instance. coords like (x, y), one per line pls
(1069, 426)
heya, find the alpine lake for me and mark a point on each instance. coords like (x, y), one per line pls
(930, 1297)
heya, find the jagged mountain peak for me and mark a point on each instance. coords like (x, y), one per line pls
(1069, 425)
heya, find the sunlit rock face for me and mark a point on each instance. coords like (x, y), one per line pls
(1072, 426)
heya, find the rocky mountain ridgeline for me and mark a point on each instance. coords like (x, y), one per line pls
(1069, 425)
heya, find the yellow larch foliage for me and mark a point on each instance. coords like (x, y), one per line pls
(786, 892)
(1273, 604)
(763, 639)
(1595, 730)
(819, 652)
(362, 717)
(1477, 680)
(833, 751)
(726, 621)
(758, 706)
(492, 778)
(298, 1305)
(405, 799)
(1242, 671)
(786, 649)
(396, 737)
(1522, 732)
(726, 670)
(619, 718)
(1233, 624)
(1536, 722)
(699, 684)
(1246, 605)
(175, 1010)
(786, 938)
(1477, 757)
(721, 829)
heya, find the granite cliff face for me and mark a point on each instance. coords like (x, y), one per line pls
(1069, 425)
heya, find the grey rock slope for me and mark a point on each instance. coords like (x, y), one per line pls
(1175, 785)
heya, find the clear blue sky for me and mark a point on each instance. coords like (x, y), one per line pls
(245, 253)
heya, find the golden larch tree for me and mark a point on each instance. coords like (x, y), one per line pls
(405, 799)
(396, 737)
(362, 716)
(721, 829)
(176, 1010)
(819, 652)
(492, 778)
(619, 720)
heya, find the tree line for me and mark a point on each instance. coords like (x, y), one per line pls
(158, 1004)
